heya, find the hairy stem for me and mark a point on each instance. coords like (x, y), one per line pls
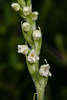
(39, 81)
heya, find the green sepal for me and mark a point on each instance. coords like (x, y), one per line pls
(28, 39)
(28, 2)
(21, 13)
(34, 25)
(38, 44)
(22, 2)
(33, 68)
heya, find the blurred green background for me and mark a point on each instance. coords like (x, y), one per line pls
(15, 81)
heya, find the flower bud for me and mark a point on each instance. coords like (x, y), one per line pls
(15, 6)
(35, 15)
(23, 49)
(37, 34)
(26, 10)
(26, 26)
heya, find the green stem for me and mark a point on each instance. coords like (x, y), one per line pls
(40, 87)
(40, 94)
(39, 81)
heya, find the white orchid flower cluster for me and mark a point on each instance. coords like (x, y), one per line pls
(31, 49)
(26, 27)
(32, 57)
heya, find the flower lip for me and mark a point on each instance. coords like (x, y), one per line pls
(32, 55)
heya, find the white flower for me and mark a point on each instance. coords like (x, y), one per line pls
(23, 49)
(37, 34)
(44, 70)
(26, 10)
(15, 6)
(26, 26)
(32, 57)
(35, 15)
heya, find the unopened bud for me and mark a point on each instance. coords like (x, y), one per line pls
(23, 49)
(37, 34)
(26, 10)
(15, 6)
(35, 15)
(26, 26)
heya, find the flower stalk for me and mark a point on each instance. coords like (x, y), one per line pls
(33, 37)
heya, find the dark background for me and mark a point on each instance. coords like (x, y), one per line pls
(15, 81)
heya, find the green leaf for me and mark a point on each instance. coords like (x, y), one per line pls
(34, 96)
(38, 44)
(27, 38)
(21, 13)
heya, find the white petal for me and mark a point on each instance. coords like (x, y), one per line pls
(50, 74)
(34, 58)
(44, 70)
(37, 58)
